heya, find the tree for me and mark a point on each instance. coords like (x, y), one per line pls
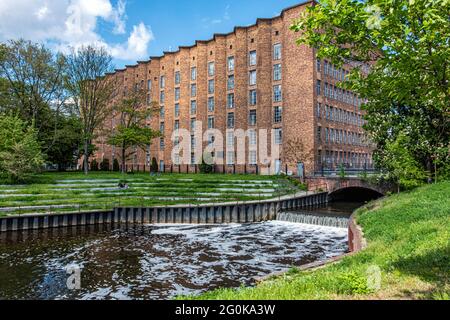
(401, 166)
(33, 77)
(116, 166)
(104, 165)
(20, 152)
(91, 91)
(132, 131)
(399, 51)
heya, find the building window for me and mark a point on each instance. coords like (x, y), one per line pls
(193, 158)
(149, 99)
(162, 83)
(230, 120)
(252, 58)
(230, 84)
(252, 78)
(252, 139)
(277, 114)
(211, 104)
(149, 85)
(318, 87)
(230, 101)
(252, 97)
(230, 139)
(161, 144)
(211, 122)
(278, 136)
(277, 95)
(162, 97)
(177, 94)
(319, 110)
(162, 127)
(230, 64)
(177, 125)
(211, 69)
(253, 157)
(193, 90)
(177, 78)
(177, 110)
(193, 122)
(319, 134)
(277, 51)
(230, 157)
(277, 72)
(193, 73)
(252, 118)
(162, 112)
(193, 107)
(211, 87)
(318, 65)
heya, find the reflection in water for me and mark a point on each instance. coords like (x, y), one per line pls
(157, 262)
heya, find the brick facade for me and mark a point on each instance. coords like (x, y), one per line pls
(300, 115)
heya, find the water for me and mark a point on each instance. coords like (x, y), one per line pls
(157, 262)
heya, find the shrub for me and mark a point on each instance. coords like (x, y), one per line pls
(116, 166)
(104, 166)
(20, 152)
(351, 283)
(94, 165)
(154, 167)
(205, 168)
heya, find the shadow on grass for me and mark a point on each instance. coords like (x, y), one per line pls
(433, 267)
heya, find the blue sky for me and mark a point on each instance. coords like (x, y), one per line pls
(131, 29)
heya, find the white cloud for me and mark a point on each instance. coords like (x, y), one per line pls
(72, 23)
(209, 21)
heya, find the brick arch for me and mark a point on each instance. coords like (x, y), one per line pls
(336, 184)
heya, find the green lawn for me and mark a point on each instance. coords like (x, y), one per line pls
(62, 192)
(408, 240)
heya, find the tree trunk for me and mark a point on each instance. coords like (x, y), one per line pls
(86, 157)
(123, 160)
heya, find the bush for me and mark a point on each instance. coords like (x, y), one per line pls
(205, 168)
(116, 166)
(94, 165)
(104, 166)
(297, 183)
(351, 283)
(154, 167)
(20, 151)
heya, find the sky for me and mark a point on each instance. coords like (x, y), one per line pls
(131, 30)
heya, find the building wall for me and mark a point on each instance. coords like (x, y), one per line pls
(300, 119)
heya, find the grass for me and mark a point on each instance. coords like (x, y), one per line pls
(408, 242)
(99, 190)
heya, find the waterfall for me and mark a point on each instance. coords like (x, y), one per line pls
(314, 219)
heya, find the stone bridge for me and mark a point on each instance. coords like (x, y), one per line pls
(338, 188)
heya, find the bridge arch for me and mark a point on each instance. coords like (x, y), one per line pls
(352, 193)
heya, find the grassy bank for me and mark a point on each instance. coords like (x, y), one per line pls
(408, 240)
(60, 192)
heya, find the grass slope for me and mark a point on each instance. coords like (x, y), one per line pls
(408, 239)
(59, 192)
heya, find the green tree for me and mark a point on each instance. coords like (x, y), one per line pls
(32, 76)
(401, 165)
(154, 166)
(91, 91)
(20, 152)
(399, 51)
(132, 131)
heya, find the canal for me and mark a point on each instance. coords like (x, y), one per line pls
(163, 261)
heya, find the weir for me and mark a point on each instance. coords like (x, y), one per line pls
(314, 219)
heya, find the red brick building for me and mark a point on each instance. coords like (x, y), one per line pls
(254, 78)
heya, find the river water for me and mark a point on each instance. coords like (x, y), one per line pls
(159, 262)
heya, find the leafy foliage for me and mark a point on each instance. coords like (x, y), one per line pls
(399, 51)
(132, 132)
(20, 152)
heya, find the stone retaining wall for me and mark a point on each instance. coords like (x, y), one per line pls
(246, 212)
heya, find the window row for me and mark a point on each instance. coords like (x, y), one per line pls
(339, 136)
(344, 157)
(331, 70)
(332, 92)
(339, 115)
